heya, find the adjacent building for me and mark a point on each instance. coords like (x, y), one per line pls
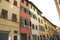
(57, 2)
(34, 21)
(42, 28)
(50, 29)
(58, 33)
(9, 19)
(25, 28)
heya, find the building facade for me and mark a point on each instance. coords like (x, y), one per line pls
(9, 19)
(25, 20)
(42, 28)
(58, 33)
(57, 2)
(50, 29)
(36, 23)
(22, 20)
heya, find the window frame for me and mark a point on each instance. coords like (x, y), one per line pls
(14, 17)
(59, 2)
(30, 24)
(26, 22)
(22, 21)
(7, 0)
(22, 1)
(4, 14)
(38, 19)
(31, 6)
(36, 27)
(34, 16)
(15, 3)
(27, 3)
(33, 26)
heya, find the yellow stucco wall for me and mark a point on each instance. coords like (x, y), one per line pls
(8, 24)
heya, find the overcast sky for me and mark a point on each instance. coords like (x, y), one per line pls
(49, 10)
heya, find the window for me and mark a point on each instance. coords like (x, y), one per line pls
(25, 10)
(48, 28)
(4, 13)
(7, 0)
(59, 1)
(26, 3)
(38, 19)
(15, 32)
(30, 13)
(30, 23)
(14, 17)
(15, 37)
(34, 37)
(34, 9)
(41, 28)
(44, 38)
(22, 8)
(34, 16)
(31, 6)
(36, 27)
(44, 20)
(38, 37)
(15, 3)
(26, 22)
(41, 22)
(45, 26)
(47, 36)
(22, 1)
(22, 21)
(38, 13)
(32, 26)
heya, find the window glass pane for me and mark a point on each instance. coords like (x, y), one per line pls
(36, 27)
(59, 1)
(30, 13)
(22, 21)
(22, 1)
(26, 3)
(30, 23)
(32, 26)
(31, 6)
(26, 22)
(7, 0)
(14, 17)
(25, 10)
(22, 8)
(34, 16)
(4, 13)
(15, 3)
(38, 37)
(34, 37)
(45, 26)
(38, 19)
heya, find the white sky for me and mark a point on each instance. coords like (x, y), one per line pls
(49, 10)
